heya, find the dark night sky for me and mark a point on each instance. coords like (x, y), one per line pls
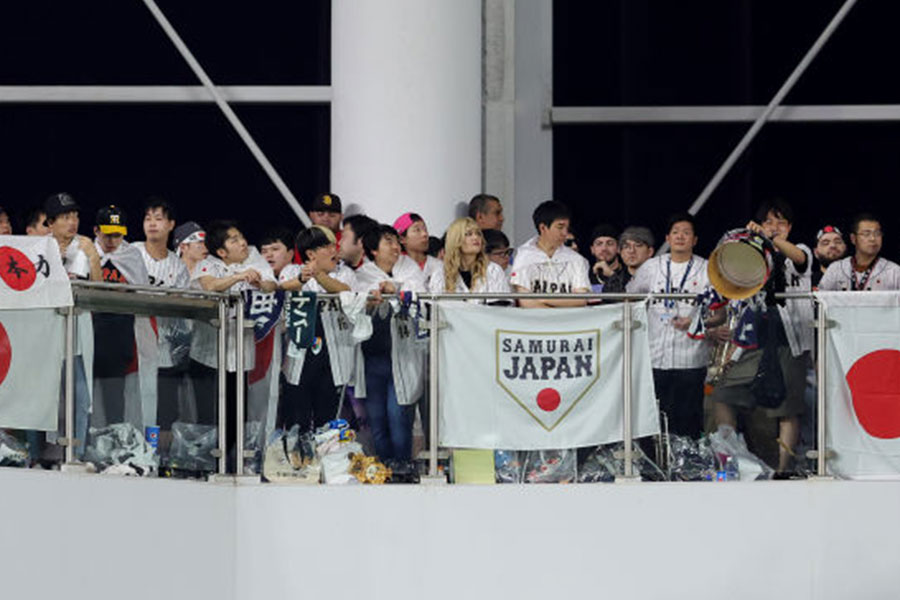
(606, 52)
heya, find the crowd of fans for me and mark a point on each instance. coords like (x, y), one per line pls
(356, 253)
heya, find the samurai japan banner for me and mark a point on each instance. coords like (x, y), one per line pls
(32, 273)
(862, 415)
(535, 379)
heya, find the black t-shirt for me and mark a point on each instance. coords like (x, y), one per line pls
(467, 278)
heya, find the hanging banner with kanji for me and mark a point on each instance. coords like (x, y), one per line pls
(32, 273)
(540, 379)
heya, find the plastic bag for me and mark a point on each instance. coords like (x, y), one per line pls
(253, 433)
(508, 466)
(690, 459)
(121, 444)
(291, 457)
(192, 446)
(727, 443)
(602, 465)
(550, 466)
(12, 451)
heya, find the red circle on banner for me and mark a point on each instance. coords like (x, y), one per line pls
(16, 269)
(5, 354)
(548, 399)
(874, 381)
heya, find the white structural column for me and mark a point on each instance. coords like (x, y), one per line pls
(406, 106)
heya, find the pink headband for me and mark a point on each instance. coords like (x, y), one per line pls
(403, 223)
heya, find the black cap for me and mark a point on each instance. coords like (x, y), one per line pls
(111, 220)
(604, 230)
(185, 231)
(327, 203)
(59, 204)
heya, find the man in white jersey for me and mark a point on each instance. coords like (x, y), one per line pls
(865, 270)
(794, 263)
(277, 247)
(165, 269)
(189, 242)
(679, 361)
(544, 265)
(313, 375)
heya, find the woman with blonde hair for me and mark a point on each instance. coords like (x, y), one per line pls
(466, 267)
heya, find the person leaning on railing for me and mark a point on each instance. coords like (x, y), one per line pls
(466, 267)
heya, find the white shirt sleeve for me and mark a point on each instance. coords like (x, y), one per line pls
(497, 281)
(436, 283)
(582, 282)
(831, 279)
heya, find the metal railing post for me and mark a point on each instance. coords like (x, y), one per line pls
(433, 391)
(626, 391)
(222, 373)
(70, 385)
(821, 343)
(239, 385)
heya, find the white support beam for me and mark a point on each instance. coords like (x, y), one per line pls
(266, 94)
(606, 115)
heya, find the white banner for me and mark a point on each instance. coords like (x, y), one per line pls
(862, 416)
(32, 273)
(535, 379)
(31, 356)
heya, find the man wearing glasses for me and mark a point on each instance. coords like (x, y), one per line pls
(865, 270)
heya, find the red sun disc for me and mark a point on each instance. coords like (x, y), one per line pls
(874, 381)
(5, 354)
(548, 399)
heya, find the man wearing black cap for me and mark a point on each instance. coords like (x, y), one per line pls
(189, 241)
(327, 212)
(830, 247)
(80, 258)
(608, 274)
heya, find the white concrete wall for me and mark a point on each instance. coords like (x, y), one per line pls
(98, 537)
(406, 106)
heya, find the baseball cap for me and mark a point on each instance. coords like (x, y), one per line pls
(637, 234)
(828, 229)
(186, 233)
(403, 222)
(327, 203)
(59, 204)
(111, 220)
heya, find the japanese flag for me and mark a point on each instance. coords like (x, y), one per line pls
(31, 356)
(863, 383)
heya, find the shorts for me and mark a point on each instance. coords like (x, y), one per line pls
(734, 389)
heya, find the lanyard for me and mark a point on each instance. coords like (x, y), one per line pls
(861, 285)
(669, 303)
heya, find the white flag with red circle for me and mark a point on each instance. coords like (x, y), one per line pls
(31, 358)
(862, 416)
(32, 273)
(534, 379)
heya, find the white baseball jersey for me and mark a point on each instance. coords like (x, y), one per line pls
(564, 272)
(173, 333)
(496, 281)
(672, 348)
(205, 340)
(797, 314)
(885, 275)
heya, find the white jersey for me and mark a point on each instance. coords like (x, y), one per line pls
(336, 327)
(564, 272)
(797, 314)
(672, 348)
(495, 282)
(370, 275)
(174, 333)
(406, 266)
(885, 275)
(205, 340)
(76, 261)
(166, 272)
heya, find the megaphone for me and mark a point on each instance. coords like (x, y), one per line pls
(741, 264)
